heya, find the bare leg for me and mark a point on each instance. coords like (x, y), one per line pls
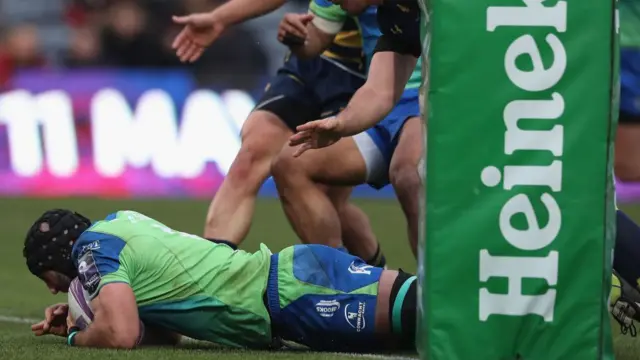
(357, 234)
(310, 211)
(231, 211)
(404, 176)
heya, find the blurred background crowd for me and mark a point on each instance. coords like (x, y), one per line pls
(132, 34)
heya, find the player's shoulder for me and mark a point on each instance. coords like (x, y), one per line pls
(107, 236)
(98, 240)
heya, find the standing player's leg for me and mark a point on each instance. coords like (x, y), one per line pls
(332, 301)
(310, 211)
(404, 176)
(627, 159)
(357, 234)
(263, 134)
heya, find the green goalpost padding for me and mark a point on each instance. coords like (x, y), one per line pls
(516, 256)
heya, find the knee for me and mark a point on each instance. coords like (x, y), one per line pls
(406, 180)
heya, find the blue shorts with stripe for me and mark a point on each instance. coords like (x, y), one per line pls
(377, 144)
(323, 298)
(305, 90)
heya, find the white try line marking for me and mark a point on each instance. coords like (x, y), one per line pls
(381, 357)
(17, 320)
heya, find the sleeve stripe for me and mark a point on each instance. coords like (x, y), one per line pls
(327, 26)
(331, 13)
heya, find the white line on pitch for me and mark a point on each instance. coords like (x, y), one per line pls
(381, 357)
(17, 320)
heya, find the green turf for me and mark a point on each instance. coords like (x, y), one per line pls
(22, 295)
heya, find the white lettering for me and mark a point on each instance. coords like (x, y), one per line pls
(550, 176)
(534, 238)
(519, 139)
(515, 269)
(539, 78)
(150, 136)
(532, 14)
(24, 114)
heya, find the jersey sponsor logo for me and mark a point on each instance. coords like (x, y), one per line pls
(326, 308)
(88, 273)
(93, 246)
(360, 269)
(356, 319)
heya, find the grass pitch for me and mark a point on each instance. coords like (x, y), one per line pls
(23, 297)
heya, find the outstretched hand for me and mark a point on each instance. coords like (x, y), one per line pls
(199, 32)
(55, 321)
(316, 134)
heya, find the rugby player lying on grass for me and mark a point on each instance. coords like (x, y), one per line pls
(137, 269)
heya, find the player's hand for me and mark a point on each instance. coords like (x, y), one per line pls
(54, 322)
(200, 31)
(316, 134)
(293, 29)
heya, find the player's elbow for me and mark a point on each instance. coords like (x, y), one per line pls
(123, 341)
(124, 337)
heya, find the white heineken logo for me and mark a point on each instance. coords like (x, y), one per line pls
(515, 178)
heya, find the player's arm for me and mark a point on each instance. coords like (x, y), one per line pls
(105, 265)
(154, 336)
(326, 20)
(237, 11)
(313, 44)
(391, 67)
(116, 323)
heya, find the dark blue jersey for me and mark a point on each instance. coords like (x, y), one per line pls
(399, 23)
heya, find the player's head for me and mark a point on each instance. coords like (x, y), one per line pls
(48, 247)
(354, 7)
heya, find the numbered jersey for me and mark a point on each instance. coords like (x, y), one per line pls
(181, 282)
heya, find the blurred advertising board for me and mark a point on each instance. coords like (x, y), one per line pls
(115, 133)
